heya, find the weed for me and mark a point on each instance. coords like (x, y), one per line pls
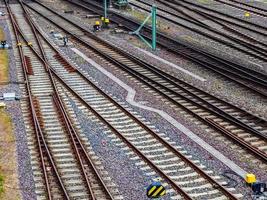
(1, 184)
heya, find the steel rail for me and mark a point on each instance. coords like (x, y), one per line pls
(70, 130)
(247, 9)
(239, 140)
(217, 111)
(217, 19)
(166, 143)
(76, 142)
(252, 6)
(174, 185)
(169, 146)
(202, 62)
(232, 71)
(57, 101)
(138, 61)
(219, 12)
(208, 106)
(194, 21)
(167, 41)
(39, 134)
(205, 15)
(212, 16)
(255, 151)
(78, 146)
(238, 41)
(139, 153)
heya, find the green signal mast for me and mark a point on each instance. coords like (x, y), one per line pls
(152, 15)
(105, 9)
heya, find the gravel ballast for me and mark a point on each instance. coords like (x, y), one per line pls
(25, 174)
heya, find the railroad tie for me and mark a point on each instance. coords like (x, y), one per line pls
(65, 63)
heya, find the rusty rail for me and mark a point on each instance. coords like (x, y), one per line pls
(216, 111)
(80, 151)
(169, 146)
(42, 146)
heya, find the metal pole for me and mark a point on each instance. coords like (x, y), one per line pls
(154, 27)
(105, 9)
(152, 15)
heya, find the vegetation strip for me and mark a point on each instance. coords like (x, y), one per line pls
(3, 60)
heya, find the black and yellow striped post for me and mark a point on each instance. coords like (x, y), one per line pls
(155, 190)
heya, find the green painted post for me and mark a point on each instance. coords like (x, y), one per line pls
(105, 9)
(154, 27)
(152, 15)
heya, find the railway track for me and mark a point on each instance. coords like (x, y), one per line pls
(246, 129)
(66, 165)
(44, 153)
(168, 161)
(250, 44)
(226, 68)
(245, 6)
(227, 18)
(218, 16)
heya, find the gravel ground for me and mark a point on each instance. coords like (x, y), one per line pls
(192, 148)
(231, 11)
(175, 134)
(215, 84)
(12, 87)
(27, 185)
(199, 17)
(144, 97)
(13, 107)
(189, 37)
(186, 36)
(259, 3)
(130, 179)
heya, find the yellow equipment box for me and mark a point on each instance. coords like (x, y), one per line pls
(250, 178)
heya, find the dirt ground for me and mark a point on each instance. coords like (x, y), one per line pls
(3, 61)
(8, 160)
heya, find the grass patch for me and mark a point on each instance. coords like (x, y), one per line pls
(8, 159)
(3, 66)
(1, 185)
(6, 126)
(3, 61)
(2, 35)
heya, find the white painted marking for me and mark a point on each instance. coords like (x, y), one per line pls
(166, 116)
(256, 64)
(170, 64)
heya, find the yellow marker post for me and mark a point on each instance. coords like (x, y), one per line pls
(29, 44)
(152, 190)
(155, 190)
(107, 21)
(247, 14)
(155, 194)
(250, 178)
(2, 105)
(19, 44)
